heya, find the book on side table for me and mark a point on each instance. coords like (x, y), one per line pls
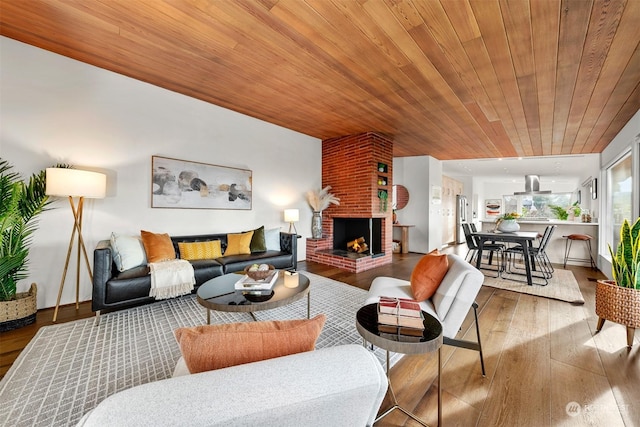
(399, 306)
(400, 316)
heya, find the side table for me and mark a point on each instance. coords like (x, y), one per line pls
(431, 340)
(404, 239)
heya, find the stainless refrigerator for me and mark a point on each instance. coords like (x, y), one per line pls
(461, 217)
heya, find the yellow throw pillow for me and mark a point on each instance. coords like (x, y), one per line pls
(210, 347)
(200, 250)
(157, 246)
(239, 244)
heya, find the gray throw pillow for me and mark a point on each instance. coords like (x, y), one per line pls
(272, 239)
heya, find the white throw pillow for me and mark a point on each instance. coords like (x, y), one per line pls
(272, 239)
(128, 251)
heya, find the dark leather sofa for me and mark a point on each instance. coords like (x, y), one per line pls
(114, 290)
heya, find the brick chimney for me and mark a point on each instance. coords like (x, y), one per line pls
(358, 168)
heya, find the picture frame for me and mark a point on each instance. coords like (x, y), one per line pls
(493, 208)
(184, 184)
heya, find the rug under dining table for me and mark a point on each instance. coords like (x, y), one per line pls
(562, 286)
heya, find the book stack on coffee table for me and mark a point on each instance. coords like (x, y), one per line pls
(400, 316)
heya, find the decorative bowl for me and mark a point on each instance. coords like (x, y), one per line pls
(258, 274)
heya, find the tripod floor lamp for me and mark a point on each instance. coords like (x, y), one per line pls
(74, 183)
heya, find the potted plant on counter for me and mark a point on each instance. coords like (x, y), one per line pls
(618, 300)
(20, 203)
(560, 212)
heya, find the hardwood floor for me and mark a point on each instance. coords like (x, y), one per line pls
(540, 355)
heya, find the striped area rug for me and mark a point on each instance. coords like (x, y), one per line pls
(67, 369)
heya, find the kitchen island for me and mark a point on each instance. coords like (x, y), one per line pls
(556, 247)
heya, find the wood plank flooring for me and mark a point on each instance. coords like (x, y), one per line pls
(541, 356)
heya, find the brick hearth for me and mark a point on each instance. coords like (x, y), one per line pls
(350, 167)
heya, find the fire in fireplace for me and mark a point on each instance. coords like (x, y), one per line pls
(358, 246)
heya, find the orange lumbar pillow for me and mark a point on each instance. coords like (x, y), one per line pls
(428, 274)
(209, 347)
(157, 246)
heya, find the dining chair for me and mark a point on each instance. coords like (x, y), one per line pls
(496, 249)
(538, 254)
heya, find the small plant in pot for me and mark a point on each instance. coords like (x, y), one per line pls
(20, 203)
(618, 300)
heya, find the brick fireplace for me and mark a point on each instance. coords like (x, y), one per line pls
(358, 168)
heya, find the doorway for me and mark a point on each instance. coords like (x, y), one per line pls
(450, 212)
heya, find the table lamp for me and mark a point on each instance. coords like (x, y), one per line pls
(72, 183)
(291, 216)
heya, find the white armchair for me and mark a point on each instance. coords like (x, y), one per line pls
(450, 304)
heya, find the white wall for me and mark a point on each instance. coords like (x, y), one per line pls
(622, 141)
(54, 109)
(419, 174)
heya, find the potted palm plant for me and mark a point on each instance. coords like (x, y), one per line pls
(20, 203)
(618, 300)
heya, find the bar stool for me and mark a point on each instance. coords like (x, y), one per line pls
(567, 249)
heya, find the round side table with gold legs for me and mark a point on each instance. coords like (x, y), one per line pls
(431, 340)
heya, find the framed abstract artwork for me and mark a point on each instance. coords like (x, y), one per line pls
(493, 208)
(193, 185)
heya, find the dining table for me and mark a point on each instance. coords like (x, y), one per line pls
(523, 238)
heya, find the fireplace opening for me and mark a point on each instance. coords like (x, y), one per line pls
(357, 237)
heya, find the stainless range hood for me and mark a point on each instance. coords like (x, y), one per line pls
(531, 186)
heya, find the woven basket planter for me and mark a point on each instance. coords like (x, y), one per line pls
(619, 305)
(19, 312)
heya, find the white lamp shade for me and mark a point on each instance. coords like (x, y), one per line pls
(76, 183)
(291, 215)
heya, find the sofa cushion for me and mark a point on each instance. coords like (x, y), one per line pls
(343, 385)
(192, 251)
(272, 239)
(132, 273)
(258, 243)
(449, 289)
(239, 244)
(210, 347)
(128, 252)
(427, 275)
(157, 246)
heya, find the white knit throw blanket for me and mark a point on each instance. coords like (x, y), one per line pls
(171, 278)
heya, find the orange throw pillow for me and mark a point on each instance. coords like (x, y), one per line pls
(428, 274)
(210, 347)
(157, 246)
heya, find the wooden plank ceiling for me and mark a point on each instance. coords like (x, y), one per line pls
(453, 79)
